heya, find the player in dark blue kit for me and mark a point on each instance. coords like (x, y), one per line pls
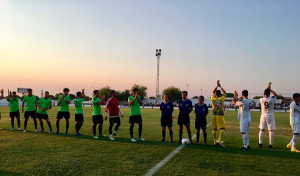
(166, 108)
(185, 107)
(201, 112)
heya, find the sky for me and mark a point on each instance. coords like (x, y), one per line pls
(89, 44)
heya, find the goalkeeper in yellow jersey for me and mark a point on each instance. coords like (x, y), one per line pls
(218, 121)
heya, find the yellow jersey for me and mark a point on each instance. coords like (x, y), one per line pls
(218, 104)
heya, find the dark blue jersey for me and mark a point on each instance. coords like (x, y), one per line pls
(185, 107)
(201, 111)
(166, 108)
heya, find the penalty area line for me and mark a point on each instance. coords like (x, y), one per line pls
(166, 159)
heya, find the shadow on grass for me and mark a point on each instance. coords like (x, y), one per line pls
(9, 173)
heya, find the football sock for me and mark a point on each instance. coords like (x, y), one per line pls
(261, 135)
(291, 142)
(214, 134)
(190, 135)
(94, 129)
(110, 128)
(79, 127)
(100, 129)
(49, 125)
(180, 134)
(57, 125)
(221, 134)
(295, 138)
(271, 137)
(12, 122)
(245, 140)
(205, 137)
(171, 135)
(25, 123)
(163, 134)
(117, 126)
(248, 140)
(198, 135)
(67, 127)
(42, 125)
(76, 127)
(140, 130)
(19, 123)
(131, 131)
(35, 123)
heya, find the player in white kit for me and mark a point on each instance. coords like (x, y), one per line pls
(244, 116)
(267, 115)
(295, 122)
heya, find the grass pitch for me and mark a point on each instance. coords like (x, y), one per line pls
(50, 154)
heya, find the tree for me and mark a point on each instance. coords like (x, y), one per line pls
(257, 97)
(123, 96)
(173, 93)
(51, 97)
(105, 91)
(152, 97)
(57, 95)
(72, 96)
(142, 90)
(195, 97)
(279, 97)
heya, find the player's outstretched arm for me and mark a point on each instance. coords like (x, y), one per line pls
(9, 95)
(223, 90)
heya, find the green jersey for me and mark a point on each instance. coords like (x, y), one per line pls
(135, 108)
(14, 104)
(97, 108)
(30, 102)
(44, 103)
(78, 105)
(64, 106)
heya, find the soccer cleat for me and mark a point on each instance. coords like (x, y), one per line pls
(248, 147)
(270, 146)
(260, 146)
(163, 140)
(57, 132)
(95, 137)
(244, 148)
(24, 131)
(221, 144)
(289, 146)
(179, 142)
(12, 129)
(191, 142)
(101, 135)
(35, 130)
(141, 138)
(66, 133)
(115, 134)
(77, 134)
(111, 138)
(295, 150)
(133, 140)
(50, 132)
(19, 129)
(217, 144)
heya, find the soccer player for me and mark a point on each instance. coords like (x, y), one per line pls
(63, 111)
(13, 99)
(97, 113)
(185, 108)
(201, 111)
(267, 115)
(218, 120)
(30, 110)
(44, 104)
(135, 114)
(112, 105)
(80, 97)
(166, 108)
(1, 97)
(244, 116)
(295, 121)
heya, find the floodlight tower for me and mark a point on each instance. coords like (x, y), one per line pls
(158, 54)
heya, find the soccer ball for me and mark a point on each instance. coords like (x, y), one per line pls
(185, 141)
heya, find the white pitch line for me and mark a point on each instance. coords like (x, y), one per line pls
(166, 159)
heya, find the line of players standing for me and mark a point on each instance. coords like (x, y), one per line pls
(36, 108)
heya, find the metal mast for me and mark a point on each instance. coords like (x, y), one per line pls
(158, 54)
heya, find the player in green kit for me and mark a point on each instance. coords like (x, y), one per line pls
(97, 113)
(30, 110)
(63, 111)
(44, 104)
(79, 111)
(13, 99)
(135, 113)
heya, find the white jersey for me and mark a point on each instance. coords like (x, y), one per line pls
(267, 106)
(244, 109)
(294, 113)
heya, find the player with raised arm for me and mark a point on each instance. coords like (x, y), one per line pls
(97, 113)
(185, 108)
(13, 99)
(201, 111)
(44, 104)
(30, 110)
(295, 121)
(267, 115)
(166, 108)
(218, 120)
(64, 110)
(244, 116)
(112, 105)
(135, 113)
(80, 97)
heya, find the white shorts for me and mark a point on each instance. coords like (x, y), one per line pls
(296, 128)
(267, 120)
(244, 126)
